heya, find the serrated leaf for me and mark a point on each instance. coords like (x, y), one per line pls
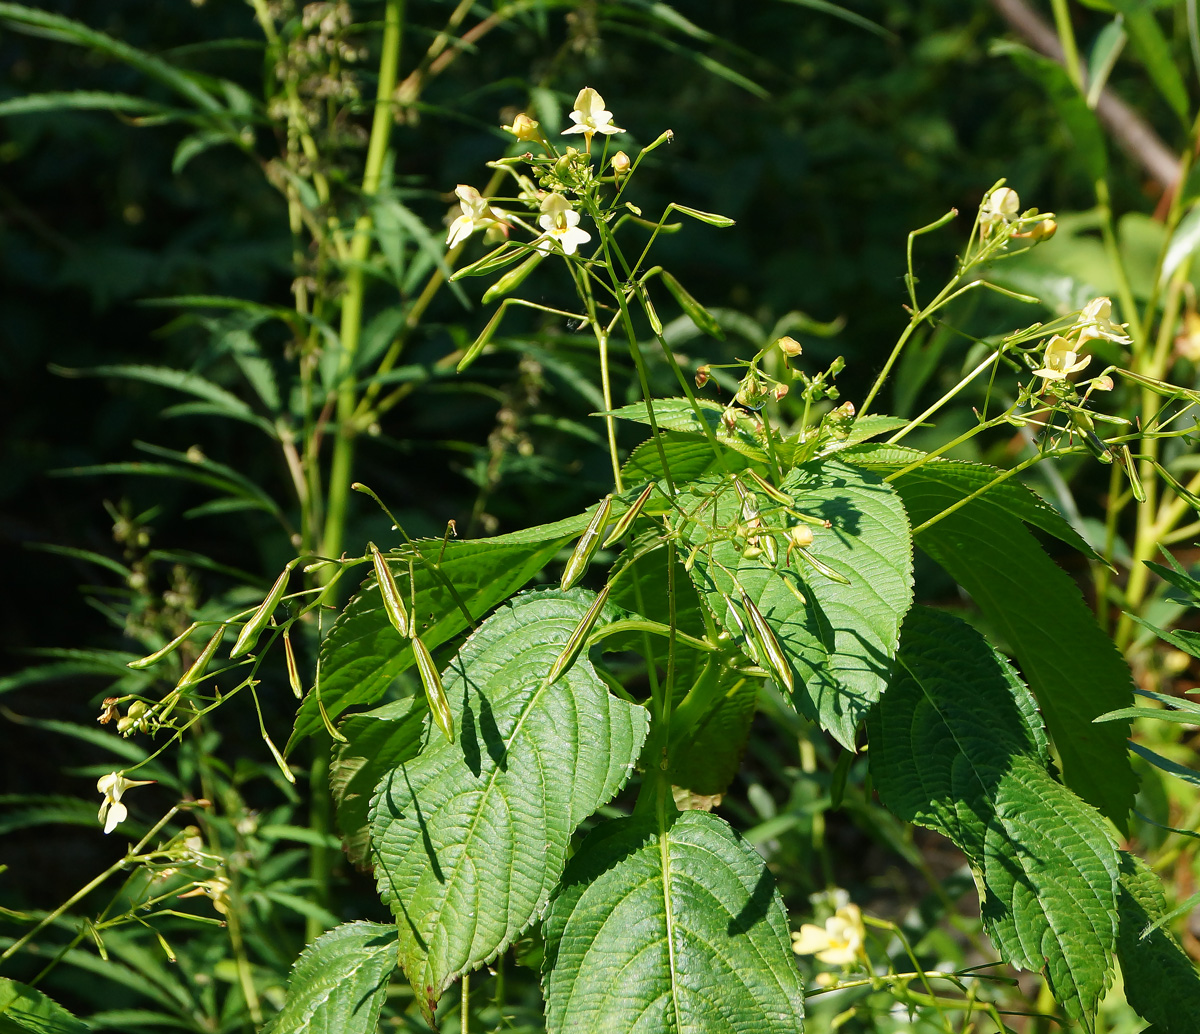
(338, 985)
(363, 653)
(470, 837)
(956, 745)
(677, 414)
(1160, 980)
(25, 1010)
(678, 930)
(688, 458)
(841, 640)
(376, 742)
(1038, 609)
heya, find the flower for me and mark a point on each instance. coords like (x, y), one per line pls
(1095, 321)
(999, 206)
(591, 117)
(561, 224)
(112, 811)
(1061, 359)
(477, 214)
(839, 943)
(620, 164)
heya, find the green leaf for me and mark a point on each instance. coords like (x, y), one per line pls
(841, 640)
(1160, 980)
(376, 742)
(688, 458)
(470, 837)
(1072, 666)
(25, 1009)
(1183, 243)
(673, 930)
(706, 757)
(1155, 54)
(677, 414)
(1080, 120)
(363, 653)
(956, 746)
(80, 100)
(338, 985)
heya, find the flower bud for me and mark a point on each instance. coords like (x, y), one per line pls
(800, 535)
(780, 391)
(620, 164)
(1044, 230)
(525, 129)
(702, 375)
(790, 346)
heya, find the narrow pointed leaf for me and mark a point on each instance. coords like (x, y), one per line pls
(469, 838)
(678, 930)
(338, 985)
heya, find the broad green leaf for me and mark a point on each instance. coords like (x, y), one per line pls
(1080, 120)
(363, 653)
(688, 458)
(376, 742)
(841, 639)
(1160, 980)
(1037, 609)
(955, 745)
(964, 478)
(669, 930)
(338, 985)
(470, 837)
(25, 1010)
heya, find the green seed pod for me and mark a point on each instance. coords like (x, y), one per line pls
(628, 517)
(439, 706)
(289, 656)
(824, 568)
(200, 665)
(749, 641)
(393, 604)
(770, 645)
(258, 620)
(698, 314)
(586, 546)
(769, 489)
(705, 217)
(651, 314)
(513, 278)
(578, 637)
(1131, 471)
(158, 655)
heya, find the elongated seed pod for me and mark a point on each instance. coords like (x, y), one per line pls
(698, 314)
(770, 645)
(578, 637)
(258, 620)
(200, 664)
(439, 706)
(1131, 471)
(824, 568)
(289, 655)
(588, 542)
(769, 489)
(628, 517)
(393, 604)
(158, 655)
(749, 642)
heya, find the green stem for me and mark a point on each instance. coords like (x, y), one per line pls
(341, 471)
(1066, 36)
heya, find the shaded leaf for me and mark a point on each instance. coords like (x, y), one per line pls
(25, 1010)
(470, 837)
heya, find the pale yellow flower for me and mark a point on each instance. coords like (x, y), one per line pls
(112, 811)
(1061, 359)
(1096, 322)
(561, 224)
(477, 214)
(591, 117)
(525, 129)
(838, 943)
(1000, 206)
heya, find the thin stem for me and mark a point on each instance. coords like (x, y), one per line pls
(1066, 36)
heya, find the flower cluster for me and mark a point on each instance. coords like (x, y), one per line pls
(1064, 354)
(839, 942)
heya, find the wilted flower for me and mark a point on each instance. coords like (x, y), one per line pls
(790, 346)
(1096, 322)
(838, 943)
(112, 811)
(1061, 359)
(477, 214)
(591, 117)
(561, 223)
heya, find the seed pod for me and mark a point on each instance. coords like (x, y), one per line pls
(628, 517)
(393, 604)
(258, 620)
(158, 655)
(770, 645)
(578, 637)
(824, 568)
(651, 312)
(513, 278)
(289, 656)
(586, 546)
(698, 314)
(200, 664)
(1131, 471)
(749, 642)
(480, 342)
(705, 217)
(439, 706)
